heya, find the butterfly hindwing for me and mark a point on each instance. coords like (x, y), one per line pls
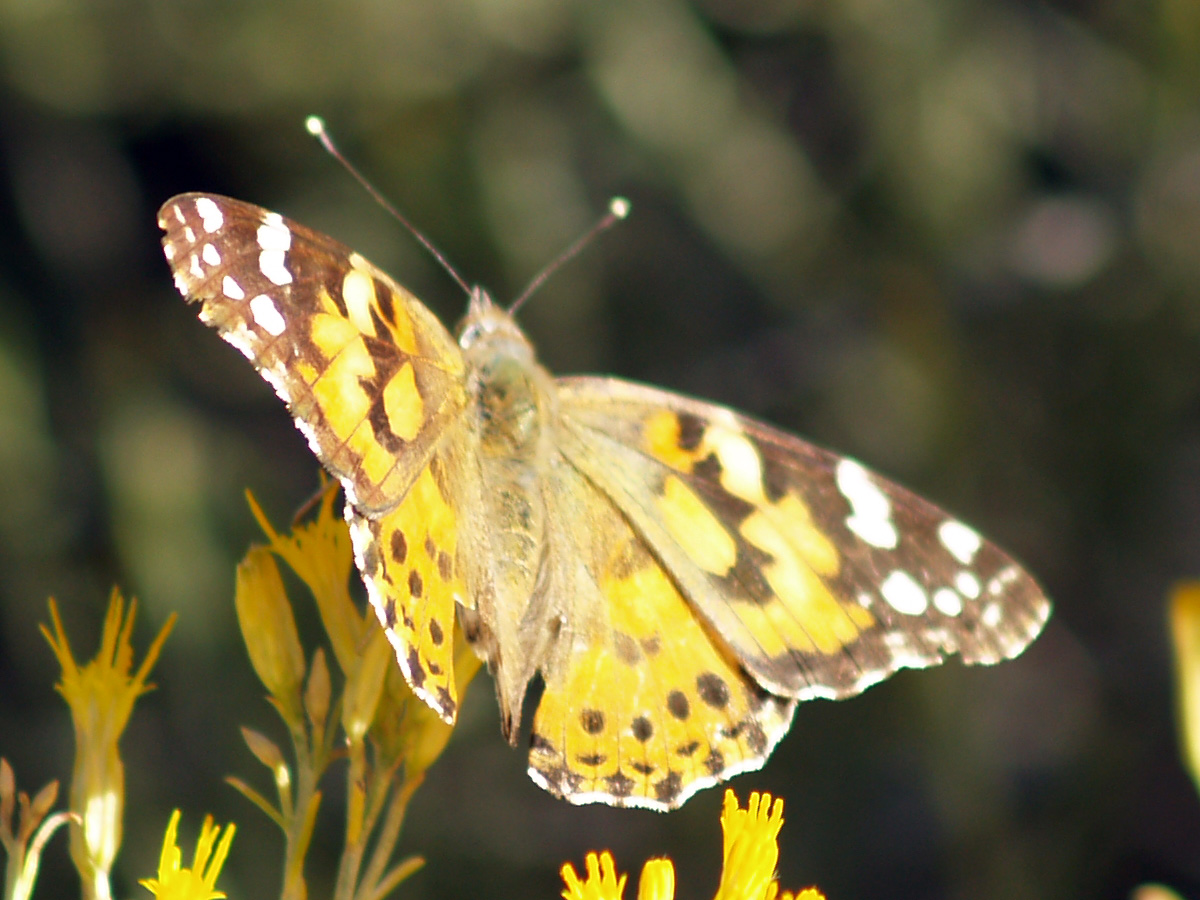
(641, 706)
(371, 376)
(819, 576)
(410, 561)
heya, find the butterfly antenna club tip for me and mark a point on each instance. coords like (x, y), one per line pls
(618, 209)
(315, 126)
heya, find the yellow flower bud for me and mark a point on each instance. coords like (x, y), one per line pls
(269, 630)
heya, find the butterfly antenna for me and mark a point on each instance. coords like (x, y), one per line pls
(618, 208)
(316, 127)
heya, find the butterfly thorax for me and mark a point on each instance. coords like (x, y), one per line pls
(513, 396)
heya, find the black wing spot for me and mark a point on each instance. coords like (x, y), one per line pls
(399, 546)
(678, 706)
(620, 784)
(713, 690)
(691, 431)
(643, 729)
(627, 648)
(592, 721)
(416, 673)
(715, 763)
(667, 790)
(385, 301)
(371, 558)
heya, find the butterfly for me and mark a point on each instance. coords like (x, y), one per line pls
(678, 575)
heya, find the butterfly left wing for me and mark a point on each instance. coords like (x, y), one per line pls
(370, 375)
(818, 576)
(374, 381)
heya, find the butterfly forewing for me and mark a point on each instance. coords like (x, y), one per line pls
(370, 374)
(821, 577)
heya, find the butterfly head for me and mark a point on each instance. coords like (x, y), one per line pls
(489, 329)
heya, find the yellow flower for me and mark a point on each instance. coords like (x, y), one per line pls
(196, 883)
(374, 698)
(601, 882)
(751, 848)
(101, 695)
(1185, 633)
(320, 553)
(751, 852)
(657, 881)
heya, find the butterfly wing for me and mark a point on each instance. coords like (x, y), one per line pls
(820, 577)
(371, 376)
(641, 706)
(411, 563)
(374, 382)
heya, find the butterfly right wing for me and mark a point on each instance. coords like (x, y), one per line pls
(370, 375)
(821, 577)
(641, 706)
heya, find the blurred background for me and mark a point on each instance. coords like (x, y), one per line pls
(957, 239)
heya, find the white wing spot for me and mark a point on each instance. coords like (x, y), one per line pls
(267, 316)
(358, 293)
(181, 283)
(947, 602)
(179, 214)
(992, 614)
(273, 234)
(967, 585)
(870, 510)
(896, 641)
(210, 214)
(903, 594)
(271, 263)
(196, 269)
(962, 542)
(232, 289)
(275, 239)
(211, 255)
(169, 251)
(741, 468)
(189, 234)
(1001, 580)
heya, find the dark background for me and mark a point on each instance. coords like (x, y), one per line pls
(957, 239)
